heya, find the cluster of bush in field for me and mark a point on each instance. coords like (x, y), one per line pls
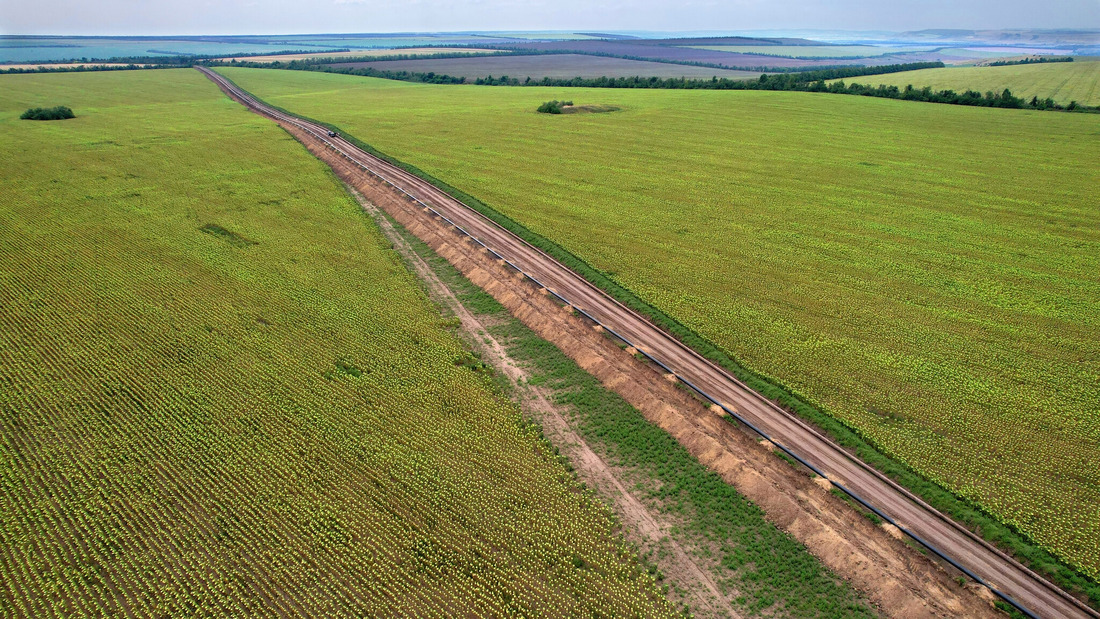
(48, 113)
(257, 417)
(553, 107)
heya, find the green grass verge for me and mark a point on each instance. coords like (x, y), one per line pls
(1005, 536)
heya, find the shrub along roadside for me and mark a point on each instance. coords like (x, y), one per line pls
(48, 113)
(970, 515)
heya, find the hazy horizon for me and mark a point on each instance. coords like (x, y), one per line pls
(774, 32)
(285, 17)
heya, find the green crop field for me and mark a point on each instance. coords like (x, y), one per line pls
(927, 273)
(222, 393)
(1062, 81)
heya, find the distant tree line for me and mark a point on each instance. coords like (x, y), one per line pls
(781, 81)
(118, 63)
(909, 93)
(850, 71)
(278, 53)
(404, 76)
(1036, 60)
(1003, 99)
(784, 81)
(48, 113)
(82, 68)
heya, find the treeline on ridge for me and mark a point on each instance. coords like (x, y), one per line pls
(1036, 60)
(1004, 98)
(84, 68)
(780, 81)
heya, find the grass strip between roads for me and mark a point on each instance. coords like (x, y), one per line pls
(970, 515)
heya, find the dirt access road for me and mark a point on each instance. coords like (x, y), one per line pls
(645, 527)
(1004, 576)
(896, 579)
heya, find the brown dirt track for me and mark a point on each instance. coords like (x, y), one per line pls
(899, 580)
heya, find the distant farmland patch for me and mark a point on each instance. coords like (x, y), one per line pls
(675, 51)
(806, 51)
(562, 66)
(360, 53)
(1062, 81)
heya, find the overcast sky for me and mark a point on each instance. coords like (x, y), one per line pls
(303, 16)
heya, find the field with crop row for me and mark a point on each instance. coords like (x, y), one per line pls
(1062, 81)
(924, 272)
(221, 393)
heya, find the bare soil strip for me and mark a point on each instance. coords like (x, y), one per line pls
(645, 527)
